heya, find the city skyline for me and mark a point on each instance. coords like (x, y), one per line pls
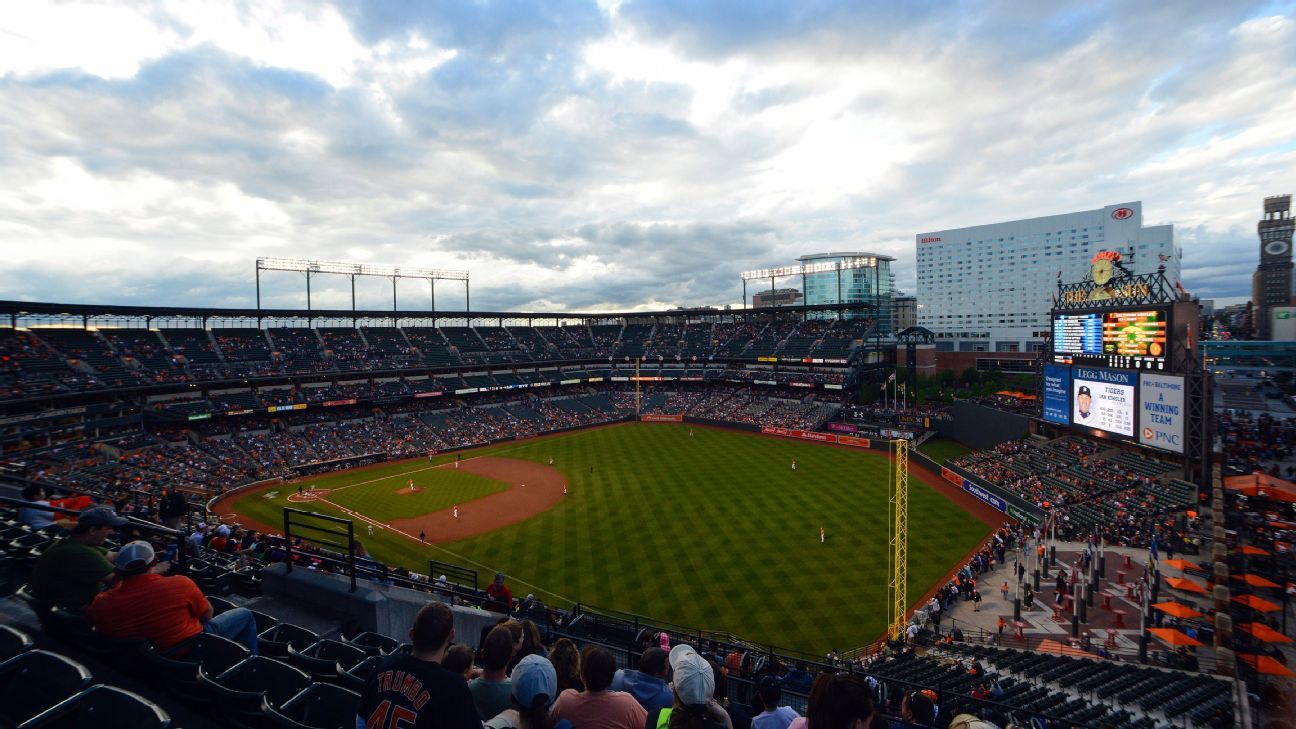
(614, 155)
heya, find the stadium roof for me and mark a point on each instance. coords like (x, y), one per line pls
(23, 309)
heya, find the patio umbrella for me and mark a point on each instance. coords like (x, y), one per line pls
(1177, 609)
(1265, 664)
(1257, 603)
(1256, 581)
(1248, 549)
(1264, 632)
(1174, 637)
(1181, 564)
(1179, 583)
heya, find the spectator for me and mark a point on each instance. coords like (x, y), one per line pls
(535, 683)
(694, 705)
(437, 697)
(166, 611)
(31, 516)
(968, 721)
(173, 508)
(459, 659)
(491, 690)
(73, 570)
(532, 643)
(918, 710)
(566, 662)
(772, 716)
(839, 701)
(739, 717)
(499, 596)
(648, 684)
(596, 707)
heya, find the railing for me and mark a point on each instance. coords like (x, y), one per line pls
(314, 523)
(132, 522)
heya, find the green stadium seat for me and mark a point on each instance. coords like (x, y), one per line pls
(12, 642)
(238, 693)
(374, 644)
(320, 706)
(101, 707)
(36, 680)
(276, 641)
(325, 659)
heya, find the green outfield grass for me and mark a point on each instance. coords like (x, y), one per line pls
(712, 531)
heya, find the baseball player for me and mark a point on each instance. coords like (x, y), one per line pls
(456, 511)
(794, 465)
(823, 535)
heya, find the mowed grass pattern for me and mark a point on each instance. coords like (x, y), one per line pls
(715, 531)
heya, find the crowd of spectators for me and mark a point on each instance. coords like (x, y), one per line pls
(39, 362)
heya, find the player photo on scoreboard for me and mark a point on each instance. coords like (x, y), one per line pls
(1103, 399)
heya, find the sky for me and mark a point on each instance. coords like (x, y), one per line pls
(612, 155)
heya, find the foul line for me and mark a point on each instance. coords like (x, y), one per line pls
(397, 475)
(413, 538)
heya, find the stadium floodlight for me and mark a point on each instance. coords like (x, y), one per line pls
(809, 268)
(311, 267)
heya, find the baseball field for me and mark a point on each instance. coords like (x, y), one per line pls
(701, 527)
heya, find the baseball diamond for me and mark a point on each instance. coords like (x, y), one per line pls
(702, 527)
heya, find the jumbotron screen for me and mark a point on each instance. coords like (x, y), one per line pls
(1122, 339)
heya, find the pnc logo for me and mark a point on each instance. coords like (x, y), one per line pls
(1122, 213)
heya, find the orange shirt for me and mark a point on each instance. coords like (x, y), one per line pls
(162, 610)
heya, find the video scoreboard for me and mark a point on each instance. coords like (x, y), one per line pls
(1119, 339)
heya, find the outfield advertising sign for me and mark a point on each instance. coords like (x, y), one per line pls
(1021, 515)
(1057, 394)
(1161, 412)
(984, 495)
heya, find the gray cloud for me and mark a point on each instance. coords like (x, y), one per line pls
(562, 182)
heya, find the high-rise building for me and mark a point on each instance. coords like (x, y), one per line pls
(904, 312)
(1271, 285)
(871, 284)
(989, 288)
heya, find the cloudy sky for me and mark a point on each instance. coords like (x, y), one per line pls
(581, 155)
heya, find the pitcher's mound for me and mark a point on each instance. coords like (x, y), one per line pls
(408, 490)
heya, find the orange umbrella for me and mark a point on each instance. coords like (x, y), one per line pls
(1248, 549)
(1265, 664)
(1257, 603)
(1174, 637)
(1179, 583)
(1264, 632)
(1177, 609)
(1256, 581)
(1181, 564)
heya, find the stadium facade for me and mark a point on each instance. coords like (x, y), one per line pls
(989, 288)
(869, 285)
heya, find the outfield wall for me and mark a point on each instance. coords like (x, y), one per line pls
(981, 427)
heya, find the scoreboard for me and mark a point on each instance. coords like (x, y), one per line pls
(1133, 339)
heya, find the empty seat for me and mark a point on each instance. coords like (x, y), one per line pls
(325, 659)
(320, 706)
(374, 644)
(276, 640)
(12, 642)
(36, 680)
(219, 604)
(355, 677)
(102, 707)
(178, 673)
(238, 693)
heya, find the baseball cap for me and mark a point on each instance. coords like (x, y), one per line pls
(223, 530)
(693, 679)
(1084, 390)
(100, 516)
(135, 556)
(534, 676)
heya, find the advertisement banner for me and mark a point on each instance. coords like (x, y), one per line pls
(850, 440)
(801, 384)
(1161, 412)
(244, 411)
(842, 427)
(764, 382)
(820, 437)
(1022, 516)
(1057, 394)
(285, 408)
(466, 390)
(832, 387)
(595, 379)
(336, 403)
(984, 495)
(952, 477)
(1103, 399)
(430, 393)
(662, 418)
(200, 416)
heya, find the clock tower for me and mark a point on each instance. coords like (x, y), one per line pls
(1272, 284)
